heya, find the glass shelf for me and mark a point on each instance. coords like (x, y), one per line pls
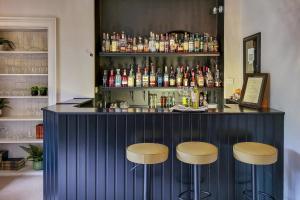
(157, 88)
(110, 54)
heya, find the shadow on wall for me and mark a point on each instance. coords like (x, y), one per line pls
(292, 168)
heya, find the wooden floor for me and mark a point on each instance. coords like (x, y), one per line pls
(21, 187)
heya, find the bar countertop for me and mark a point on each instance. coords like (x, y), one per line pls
(77, 105)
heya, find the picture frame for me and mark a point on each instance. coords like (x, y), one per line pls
(253, 91)
(252, 54)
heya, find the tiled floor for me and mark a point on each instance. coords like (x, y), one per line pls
(21, 187)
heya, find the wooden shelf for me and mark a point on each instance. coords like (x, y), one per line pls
(23, 74)
(109, 54)
(24, 97)
(20, 118)
(25, 171)
(21, 141)
(23, 52)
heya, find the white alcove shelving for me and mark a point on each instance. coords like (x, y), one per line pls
(31, 63)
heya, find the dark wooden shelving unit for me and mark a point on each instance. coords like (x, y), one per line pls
(120, 54)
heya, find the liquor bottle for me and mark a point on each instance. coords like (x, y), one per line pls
(167, 43)
(218, 81)
(166, 77)
(145, 78)
(216, 45)
(140, 46)
(103, 42)
(209, 78)
(172, 78)
(179, 77)
(129, 45)
(146, 45)
(157, 43)
(104, 79)
(107, 43)
(201, 43)
(162, 44)
(201, 99)
(159, 78)
(186, 43)
(138, 79)
(134, 45)
(118, 79)
(113, 43)
(124, 79)
(211, 44)
(172, 44)
(123, 42)
(118, 42)
(200, 78)
(186, 79)
(152, 76)
(195, 98)
(152, 43)
(193, 79)
(180, 47)
(205, 44)
(191, 43)
(131, 78)
(111, 81)
(176, 43)
(197, 43)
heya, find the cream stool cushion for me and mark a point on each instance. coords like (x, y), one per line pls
(197, 153)
(147, 153)
(255, 153)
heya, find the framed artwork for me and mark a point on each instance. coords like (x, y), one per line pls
(253, 90)
(252, 54)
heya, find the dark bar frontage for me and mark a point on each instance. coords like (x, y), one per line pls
(85, 152)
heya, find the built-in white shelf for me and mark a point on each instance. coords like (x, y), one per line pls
(21, 118)
(23, 74)
(23, 52)
(23, 97)
(25, 171)
(21, 141)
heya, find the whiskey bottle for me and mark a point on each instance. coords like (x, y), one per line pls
(118, 42)
(167, 44)
(118, 79)
(152, 47)
(216, 45)
(129, 45)
(124, 79)
(191, 44)
(218, 81)
(211, 45)
(176, 43)
(172, 44)
(186, 43)
(145, 78)
(138, 80)
(107, 43)
(103, 43)
(193, 79)
(152, 76)
(205, 44)
(209, 78)
(104, 78)
(113, 43)
(200, 78)
(140, 46)
(111, 81)
(146, 45)
(186, 79)
(172, 78)
(159, 78)
(157, 43)
(197, 43)
(201, 43)
(123, 42)
(166, 77)
(134, 45)
(162, 44)
(179, 77)
(131, 77)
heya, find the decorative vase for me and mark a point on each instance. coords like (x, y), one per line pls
(34, 92)
(37, 165)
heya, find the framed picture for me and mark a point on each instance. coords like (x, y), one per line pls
(252, 54)
(253, 90)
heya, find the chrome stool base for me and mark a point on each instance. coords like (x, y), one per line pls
(203, 195)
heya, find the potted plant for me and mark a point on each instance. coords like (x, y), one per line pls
(3, 104)
(35, 155)
(34, 91)
(6, 44)
(43, 91)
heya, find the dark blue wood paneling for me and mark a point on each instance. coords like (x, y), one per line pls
(85, 154)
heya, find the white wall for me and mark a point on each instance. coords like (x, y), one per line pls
(279, 22)
(75, 38)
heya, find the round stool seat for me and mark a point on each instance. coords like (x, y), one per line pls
(147, 153)
(197, 153)
(255, 153)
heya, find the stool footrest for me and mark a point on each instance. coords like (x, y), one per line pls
(203, 195)
(248, 195)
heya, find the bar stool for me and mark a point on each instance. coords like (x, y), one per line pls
(147, 154)
(255, 154)
(196, 154)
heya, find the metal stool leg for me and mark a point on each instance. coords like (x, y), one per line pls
(145, 182)
(254, 193)
(197, 184)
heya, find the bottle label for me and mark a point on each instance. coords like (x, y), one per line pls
(130, 82)
(172, 82)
